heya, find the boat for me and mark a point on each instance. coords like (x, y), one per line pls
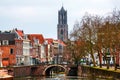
(4, 75)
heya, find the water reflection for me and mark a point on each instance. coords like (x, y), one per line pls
(58, 78)
(65, 78)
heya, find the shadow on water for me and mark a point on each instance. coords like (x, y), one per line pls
(54, 70)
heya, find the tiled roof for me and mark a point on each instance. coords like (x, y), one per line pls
(20, 33)
(50, 40)
(7, 36)
(36, 36)
(61, 42)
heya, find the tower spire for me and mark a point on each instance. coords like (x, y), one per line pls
(62, 4)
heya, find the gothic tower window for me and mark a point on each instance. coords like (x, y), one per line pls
(61, 32)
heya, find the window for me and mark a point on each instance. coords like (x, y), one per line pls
(11, 51)
(60, 19)
(61, 31)
(36, 41)
(5, 42)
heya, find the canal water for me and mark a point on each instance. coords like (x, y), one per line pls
(60, 78)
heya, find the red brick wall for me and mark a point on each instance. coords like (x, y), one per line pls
(19, 47)
(7, 56)
(22, 71)
(34, 70)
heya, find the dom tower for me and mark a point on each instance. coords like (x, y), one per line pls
(62, 27)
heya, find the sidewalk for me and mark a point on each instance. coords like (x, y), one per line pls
(110, 68)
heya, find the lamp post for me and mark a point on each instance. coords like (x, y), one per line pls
(108, 57)
(1, 58)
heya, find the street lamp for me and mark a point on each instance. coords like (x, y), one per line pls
(1, 58)
(108, 57)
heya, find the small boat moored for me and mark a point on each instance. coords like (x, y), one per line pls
(4, 75)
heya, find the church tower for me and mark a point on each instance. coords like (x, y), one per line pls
(62, 27)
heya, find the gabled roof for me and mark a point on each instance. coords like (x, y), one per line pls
(49, 40)
(40, 37)
(20, 33)
(60, 42)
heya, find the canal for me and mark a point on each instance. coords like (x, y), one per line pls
(60, 78)
(57, 73)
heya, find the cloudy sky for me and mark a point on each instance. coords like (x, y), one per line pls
(41, 16)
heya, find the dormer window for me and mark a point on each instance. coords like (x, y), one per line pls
(36, 41)
(5, 42)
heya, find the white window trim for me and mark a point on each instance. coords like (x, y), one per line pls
(5, 42)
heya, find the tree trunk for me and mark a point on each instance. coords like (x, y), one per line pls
(92, 55)
(108, 64)
(100, 57)
(114, 63)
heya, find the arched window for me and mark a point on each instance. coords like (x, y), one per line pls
(61, 32)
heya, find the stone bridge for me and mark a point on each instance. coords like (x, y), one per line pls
(47, 69)
(37, 70)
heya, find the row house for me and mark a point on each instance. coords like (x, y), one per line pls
(55, 51)
(49, 49)
(15, 48)
(18, 49)
(37, 49)
(22, 47)
(8, 48)
(58, 51)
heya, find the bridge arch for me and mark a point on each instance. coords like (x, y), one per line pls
(48, 68)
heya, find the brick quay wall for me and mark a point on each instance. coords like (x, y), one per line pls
(22, 71)
(98, 72)
(82, 71)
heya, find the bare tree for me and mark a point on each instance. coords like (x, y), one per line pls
(96, 34)
(108, 37)
(89, 34)
(75, 45)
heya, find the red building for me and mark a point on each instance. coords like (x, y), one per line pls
(19, 46)
(7, 45)
(11, 44)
